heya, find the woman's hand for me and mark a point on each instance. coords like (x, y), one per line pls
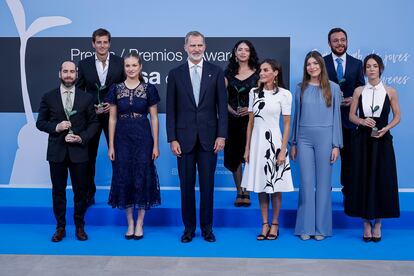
(334, 155)
(293, 153)
(111, 153)
(368, 122)
(155, 153)
(232, 111)
(243, 111)
(381, 132)
(281, 157)
(246, 155)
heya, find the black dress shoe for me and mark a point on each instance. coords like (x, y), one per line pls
(81, 234)
(209, 236)
(129, 237)
(187, 237)
(59, 234)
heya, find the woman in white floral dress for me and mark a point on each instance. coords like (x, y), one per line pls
(267, 170)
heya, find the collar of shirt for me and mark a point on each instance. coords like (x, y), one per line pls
(200, 64)
(379, 86)
(63, 89)
(98, 60)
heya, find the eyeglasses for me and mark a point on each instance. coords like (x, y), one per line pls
(343, 40)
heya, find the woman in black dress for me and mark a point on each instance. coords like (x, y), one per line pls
(241, 76)
(373, 191)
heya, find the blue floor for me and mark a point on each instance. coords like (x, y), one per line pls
(27, 223)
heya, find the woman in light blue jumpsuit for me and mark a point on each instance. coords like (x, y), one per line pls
(316, 139)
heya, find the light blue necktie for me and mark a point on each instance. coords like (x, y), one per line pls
(195, 81)
(339, 70)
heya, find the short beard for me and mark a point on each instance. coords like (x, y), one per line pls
(339, 54)
(193, 58)
(68, 84)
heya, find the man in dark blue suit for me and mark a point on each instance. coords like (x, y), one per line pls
(196, 131)
(68, 116)
(346, 71)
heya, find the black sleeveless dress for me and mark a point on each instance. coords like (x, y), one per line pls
(373, 190)
(238, 95)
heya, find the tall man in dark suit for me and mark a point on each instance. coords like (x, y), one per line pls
(196, 131)
(96, 75)
(346, 71)
(68, 115)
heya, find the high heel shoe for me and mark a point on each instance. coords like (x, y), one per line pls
(129, 237)
(239, 200)
(368, 239)
(273, 237)
(377, 238)
(261, 236)
(246, 200)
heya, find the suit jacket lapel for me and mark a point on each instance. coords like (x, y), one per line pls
(77, 100)
(330, 67)
(205, 76)
(59, 103)
(348, 65)
(187, 82)
(110, 71)
(94, 72)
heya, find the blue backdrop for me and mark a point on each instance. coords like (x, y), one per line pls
(382, 27)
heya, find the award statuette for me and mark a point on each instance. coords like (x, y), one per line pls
(70, 113)
(239, 90)
(374, 131)
(100, 106)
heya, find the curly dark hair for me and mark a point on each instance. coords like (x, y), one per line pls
(233, 66)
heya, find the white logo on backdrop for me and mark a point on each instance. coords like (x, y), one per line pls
(30, 167)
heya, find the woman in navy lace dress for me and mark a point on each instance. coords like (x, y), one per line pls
(133, 145)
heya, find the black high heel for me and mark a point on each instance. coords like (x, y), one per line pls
(239, 200)
(246, 200)
(376, 239)
(368, 239)
(273, 237)
(262, 237)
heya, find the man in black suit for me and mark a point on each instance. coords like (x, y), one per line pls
(346, 71)
(68, 115)
(96, 75)
(196, 131)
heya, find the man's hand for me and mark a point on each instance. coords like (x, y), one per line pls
(347, 101)
(72, 138)
(219, 144)
(62, 126)
(175, 148)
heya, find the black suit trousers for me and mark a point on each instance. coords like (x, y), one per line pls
(205, 162)
(59, 177)
(93, 153)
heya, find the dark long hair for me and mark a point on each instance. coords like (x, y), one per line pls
(135, 55)
(278, 81)
(377, 59)
(233, 66)
(323, 77)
